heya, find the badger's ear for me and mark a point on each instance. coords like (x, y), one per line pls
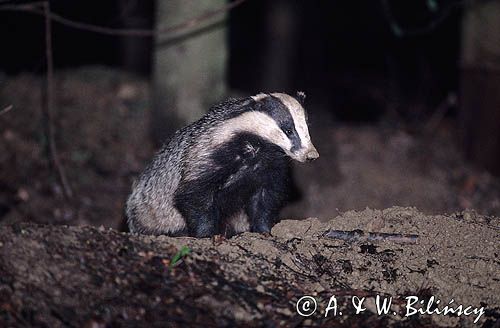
(301, 97)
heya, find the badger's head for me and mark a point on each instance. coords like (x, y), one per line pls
(280, 119)
(287, 126)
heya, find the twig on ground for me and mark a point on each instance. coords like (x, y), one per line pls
(359, 235)
(48, 105)
(6, 109)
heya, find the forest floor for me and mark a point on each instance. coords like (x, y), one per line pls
(55, 275)
(58, 276)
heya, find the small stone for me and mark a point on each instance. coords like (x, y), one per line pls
(318, 288)
(285, 311)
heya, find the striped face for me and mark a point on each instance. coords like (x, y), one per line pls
(281, 119)
(277, 118)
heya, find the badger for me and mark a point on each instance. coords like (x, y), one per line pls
(226, 173)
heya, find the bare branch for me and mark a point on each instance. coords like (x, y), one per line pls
(191, 23)
(359, 235)
(200, 19)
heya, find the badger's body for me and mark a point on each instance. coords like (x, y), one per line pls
(225, 173)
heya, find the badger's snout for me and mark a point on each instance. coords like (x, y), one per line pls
(312, 155)
(307, 155)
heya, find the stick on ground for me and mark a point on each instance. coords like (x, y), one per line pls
(360, 235)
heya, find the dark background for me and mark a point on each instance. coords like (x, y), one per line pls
(345, 54)
(397, 116)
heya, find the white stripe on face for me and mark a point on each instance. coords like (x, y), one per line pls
(254, 122)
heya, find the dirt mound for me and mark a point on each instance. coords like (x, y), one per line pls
(70, 276)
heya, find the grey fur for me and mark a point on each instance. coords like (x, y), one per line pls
(150, 207)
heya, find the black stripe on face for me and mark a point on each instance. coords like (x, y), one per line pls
(279, 112)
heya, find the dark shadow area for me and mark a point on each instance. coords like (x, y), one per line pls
(382, 85)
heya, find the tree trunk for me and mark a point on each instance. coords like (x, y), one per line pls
(480, 84)
(279, 51)
(135, 52)
(189, 66)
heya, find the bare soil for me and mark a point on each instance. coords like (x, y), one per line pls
(58, 276)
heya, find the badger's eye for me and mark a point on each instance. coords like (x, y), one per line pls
(288, 132)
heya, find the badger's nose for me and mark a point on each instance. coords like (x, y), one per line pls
(312, 155)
